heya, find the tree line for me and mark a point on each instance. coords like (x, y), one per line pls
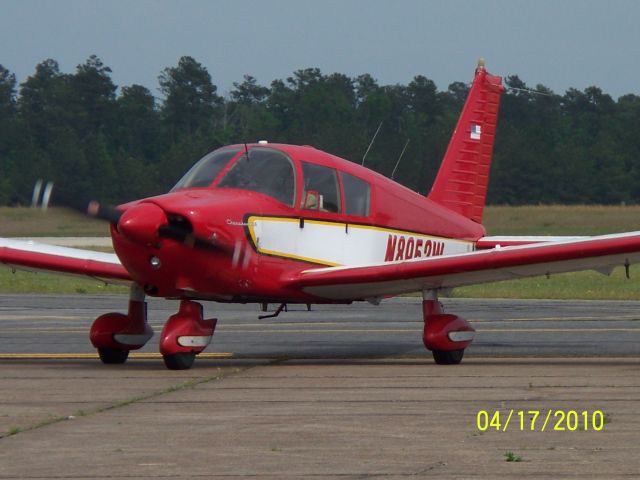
(98, 141)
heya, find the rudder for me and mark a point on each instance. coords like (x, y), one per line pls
(463, 177)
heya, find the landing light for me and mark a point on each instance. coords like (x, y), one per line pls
(263, 142)
(155, 262)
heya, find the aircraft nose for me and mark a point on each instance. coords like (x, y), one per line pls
(141, 222)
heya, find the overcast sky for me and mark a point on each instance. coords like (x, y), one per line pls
(560, 44)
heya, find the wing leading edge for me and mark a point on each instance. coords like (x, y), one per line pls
(601, 253)
(29, 255)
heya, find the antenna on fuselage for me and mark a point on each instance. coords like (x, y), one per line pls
(246, 150)
(370, 144)
(404, 149)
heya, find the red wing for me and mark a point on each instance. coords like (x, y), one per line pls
(37, 256)
(601, 253)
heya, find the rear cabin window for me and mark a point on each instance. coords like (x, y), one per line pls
(357, 195)
(265, 171)
(206, 169)
(321, 190)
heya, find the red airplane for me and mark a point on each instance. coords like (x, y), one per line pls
(273, 223)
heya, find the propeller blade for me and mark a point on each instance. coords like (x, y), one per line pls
(42, 197)
(179, 233)
(103, 212)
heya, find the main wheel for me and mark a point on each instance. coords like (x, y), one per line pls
(448, 357)
(113, 356)
(179, 361)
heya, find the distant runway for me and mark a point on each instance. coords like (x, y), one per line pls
(43, 324)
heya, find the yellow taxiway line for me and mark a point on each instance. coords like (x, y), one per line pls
(81, 356)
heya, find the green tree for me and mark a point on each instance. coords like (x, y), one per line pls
(138, 127)
(67, 122)
(190, 101)
(246, 116)
(43, 103)
(45, 124)
(7, 131)
(93, 98)
(249, 92)
(92, 105)
(7, 93)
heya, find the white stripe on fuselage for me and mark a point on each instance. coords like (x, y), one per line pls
(335, 243)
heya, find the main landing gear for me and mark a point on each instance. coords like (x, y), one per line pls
(116, 334)
(184, 335)
(445, 335)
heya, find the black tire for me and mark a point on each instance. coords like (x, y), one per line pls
(179, 361)
(113, 356)
(448, 357)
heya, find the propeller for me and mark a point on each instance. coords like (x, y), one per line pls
(143, 223)
(103, 212)
(42, 198)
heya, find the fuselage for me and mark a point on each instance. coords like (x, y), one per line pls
(281, 209)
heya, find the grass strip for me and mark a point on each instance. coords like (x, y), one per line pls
(587, 285)
(42, 283)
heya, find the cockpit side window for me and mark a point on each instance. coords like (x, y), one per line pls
(266, 171)
(357, 195)
(206, 169)
(321, 191)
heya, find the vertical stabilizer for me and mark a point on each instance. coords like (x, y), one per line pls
(461, 183)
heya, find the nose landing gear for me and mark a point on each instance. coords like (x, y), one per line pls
(185, 335)
(445, 335)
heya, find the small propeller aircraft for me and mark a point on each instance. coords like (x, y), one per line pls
(282, 224)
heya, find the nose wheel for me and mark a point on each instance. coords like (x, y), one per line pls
(185, 335)
(179, 361)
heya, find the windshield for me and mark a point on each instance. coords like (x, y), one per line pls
(266, 171)
(206, 170)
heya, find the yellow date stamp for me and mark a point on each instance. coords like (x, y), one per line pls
(540, 420)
